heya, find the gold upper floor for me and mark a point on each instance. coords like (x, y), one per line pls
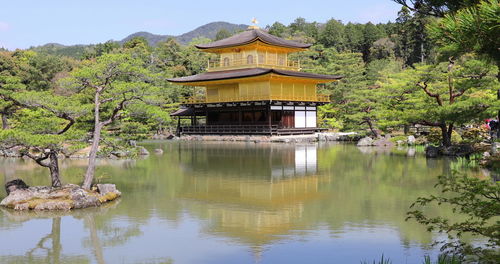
(253, 59)
(253, 55)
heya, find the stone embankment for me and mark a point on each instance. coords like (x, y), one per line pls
(70, 196)
(322, 137)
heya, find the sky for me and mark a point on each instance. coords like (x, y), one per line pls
(25, 23)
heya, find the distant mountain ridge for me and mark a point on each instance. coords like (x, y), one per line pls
(208, 31)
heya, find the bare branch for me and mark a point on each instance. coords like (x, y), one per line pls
(434, 95)
(38, 160)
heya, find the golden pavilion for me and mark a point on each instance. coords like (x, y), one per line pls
(253, 87)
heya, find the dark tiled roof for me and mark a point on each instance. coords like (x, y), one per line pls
(183, 112)
(250, 36)
(251, 72)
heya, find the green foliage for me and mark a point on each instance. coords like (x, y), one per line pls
(333, 35)
(475, 135)
(435, 136)
(222, 34)
(478, 201)
(442, 95)
(473, 28)
(277, 29)
(443, 259)
(381, 261)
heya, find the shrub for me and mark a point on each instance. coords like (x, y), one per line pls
(475, 135)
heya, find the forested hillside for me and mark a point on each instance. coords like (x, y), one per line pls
(209, 30)
(396, 74)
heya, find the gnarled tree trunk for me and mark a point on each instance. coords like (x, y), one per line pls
(89, 175)
(54, 169)
(446, 134)
(5, 121)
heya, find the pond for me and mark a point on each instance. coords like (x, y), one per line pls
(213, 202)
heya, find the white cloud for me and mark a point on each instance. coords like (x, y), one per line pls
(4, 26)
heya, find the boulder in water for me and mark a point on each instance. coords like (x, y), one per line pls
(366, 141)
(16, 184)
(431, 152)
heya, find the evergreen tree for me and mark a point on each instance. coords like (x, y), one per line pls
(443, 95)
(333, 35)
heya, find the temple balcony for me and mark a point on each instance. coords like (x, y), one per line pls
(233, 64)
(323, 98)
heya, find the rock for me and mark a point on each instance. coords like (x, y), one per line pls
(107, 192)
(383, 142)
(332, 137)
(67, 197)
(494, 147)
(14, 152)
(159, 151)
(143, 151)
(133, 143)
(411, 152)
(411, 140)
(120, 153)
(16, 184)
(486, 154)
(54, 205)
(431, 152)
(103, 189)
(458, 150)
(366, 141)
(322, 137)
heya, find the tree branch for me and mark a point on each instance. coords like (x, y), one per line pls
(38, 160)
(434, 95)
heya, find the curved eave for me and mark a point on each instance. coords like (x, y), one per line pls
(252, 74)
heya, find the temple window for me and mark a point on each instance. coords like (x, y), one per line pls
(281, 59)
(225, 62)
(249, 59)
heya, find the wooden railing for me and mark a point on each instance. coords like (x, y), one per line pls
(219, 65)
(201, 99)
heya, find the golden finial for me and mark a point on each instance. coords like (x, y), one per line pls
(254, 22)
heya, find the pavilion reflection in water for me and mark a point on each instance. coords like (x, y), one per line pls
(255, 203)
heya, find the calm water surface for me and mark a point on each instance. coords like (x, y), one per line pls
(233, 203)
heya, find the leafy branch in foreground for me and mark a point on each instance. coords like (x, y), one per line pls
(479, 202)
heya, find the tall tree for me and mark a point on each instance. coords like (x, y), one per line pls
(43, 122)
(443, 95)
(471, 29)
(370, 34)
(438, 8)
(333, 35)
(222, 34)
(112, 82)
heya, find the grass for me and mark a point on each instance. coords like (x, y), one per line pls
(381, 261)
(466, 163)
(442, 259)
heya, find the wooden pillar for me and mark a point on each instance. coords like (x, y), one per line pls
(269, 118)
(239, 115)
(178, 132)
(206, 116)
